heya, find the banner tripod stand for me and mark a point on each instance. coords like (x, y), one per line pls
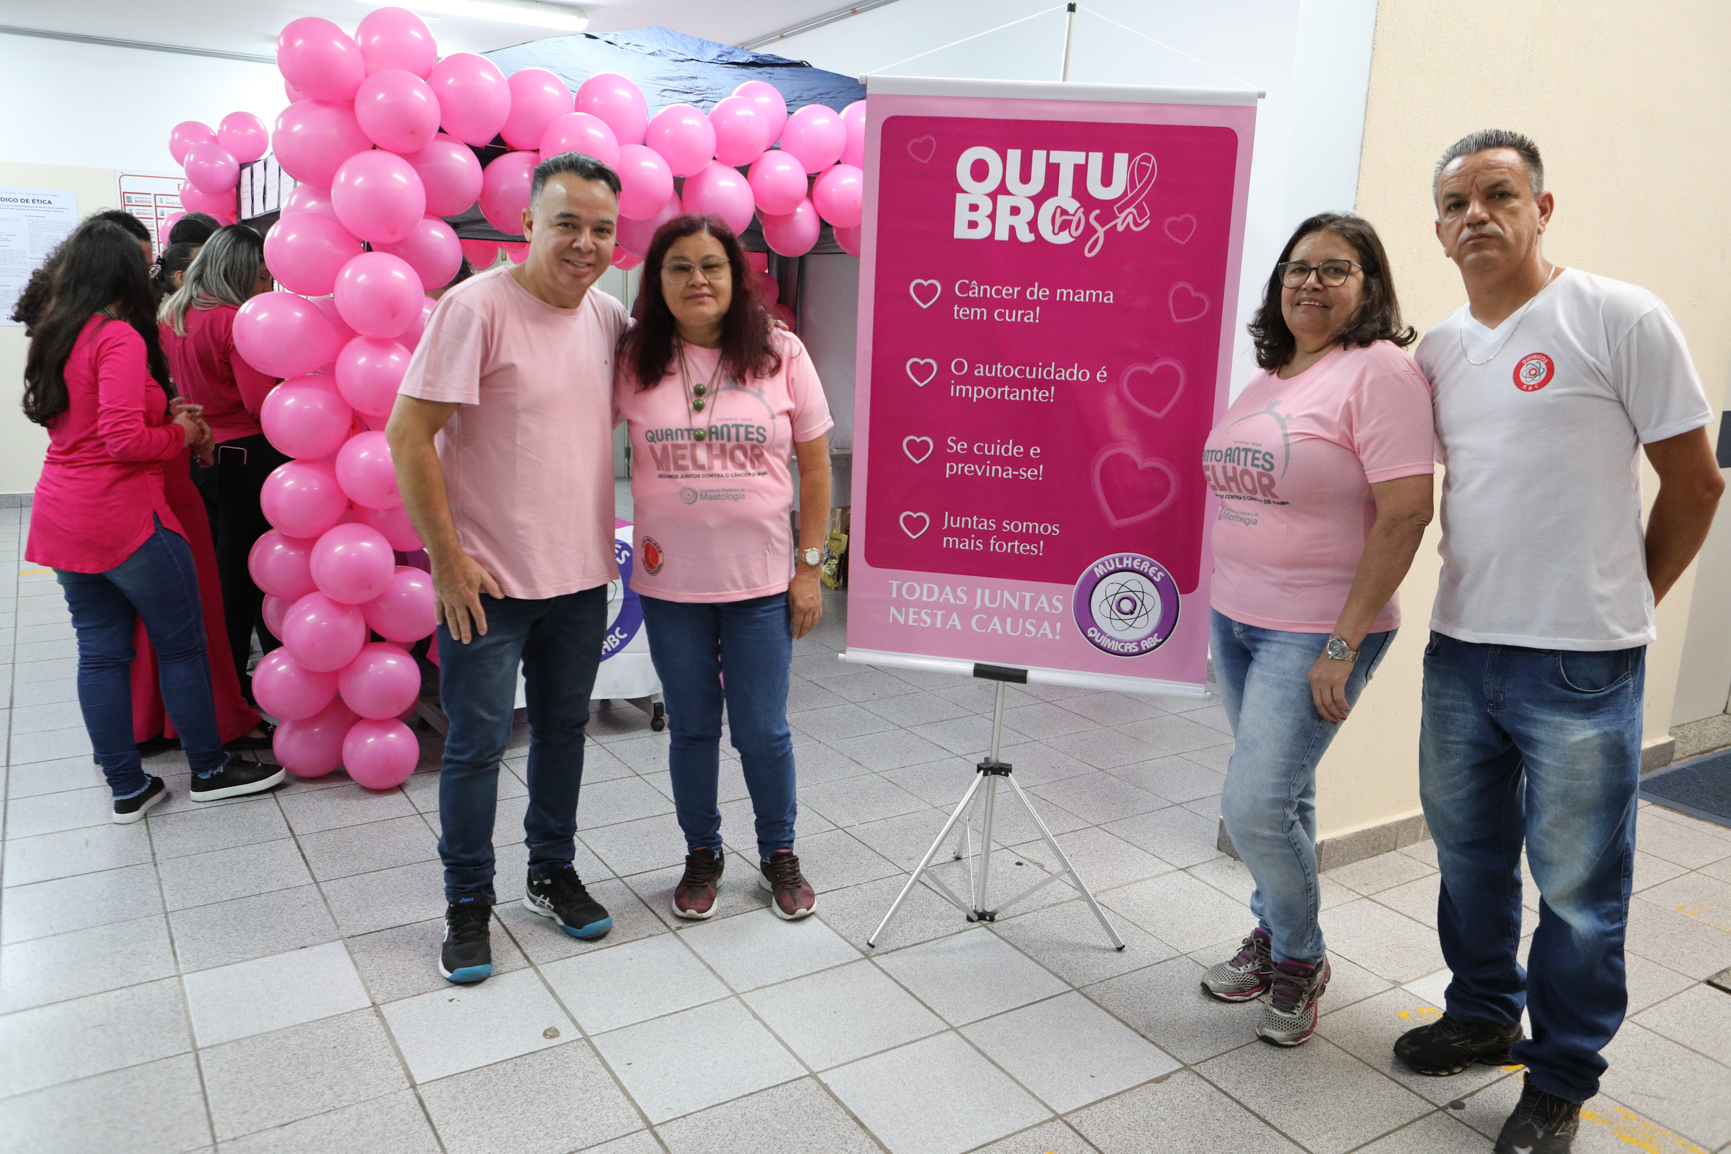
(988, 773)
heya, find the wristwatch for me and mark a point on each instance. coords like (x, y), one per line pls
(1339, 650)
(811, 556)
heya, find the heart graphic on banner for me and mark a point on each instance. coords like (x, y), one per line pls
(921, 148)
(1181, 228)
(910, 443)
(1185, 303)
(1129, 487)
(924, 522)
(924, 292)
(921, 370)
(1153, 388)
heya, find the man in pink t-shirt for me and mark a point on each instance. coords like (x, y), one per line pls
(502, 438)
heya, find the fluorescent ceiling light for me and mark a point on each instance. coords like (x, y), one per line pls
(534, 13)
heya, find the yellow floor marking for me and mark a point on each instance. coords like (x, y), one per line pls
(1426, 1013)
(1703, 913)
(1629, 1127)
(33, 572)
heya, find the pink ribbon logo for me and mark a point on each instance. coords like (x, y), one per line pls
(1128, 211)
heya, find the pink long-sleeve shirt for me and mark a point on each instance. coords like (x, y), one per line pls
(208, 370)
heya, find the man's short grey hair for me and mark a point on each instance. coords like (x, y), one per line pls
(1480, 141)
(578, 164)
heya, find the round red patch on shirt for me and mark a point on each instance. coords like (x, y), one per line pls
(1534, 372)
(649, 551)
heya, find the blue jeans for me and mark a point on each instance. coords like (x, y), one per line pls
(558, 642)
(158, 584)
(1542, 746)
(740, 651)
(1269, 802)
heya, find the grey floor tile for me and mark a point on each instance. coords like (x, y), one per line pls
(1688, 843)
(912, 709)
(90, 961)
(1677, 939)
(903, 840)
(835, 723)
(855, 913)
(1433, 1134)
(630, 983)
(937, 783)
(638, 846)
(204, 830)
(1165, 1004)
(224, 874)
(53, 812)
(1368, 1030)
(640, 1142)
(1099, 797)
(78, 902)
(1105, 748)
(835, 859)
(60, 685)
(803, 695)
(1173, 834)
(40, 718)
(1674, 1086)
(548, 1102)
(756, 950)
(1173, 734)
(1106, 709)
(465, 1027)
(855, 800)
(1699, 1017)
(1649, 982)
(1180, 910)
(66, 773)
(542, 941)
(1047, 1138)
(969, 737)
(1416, 899)
(891, 750)
(1177, 779)
(312, 810)
(385, 898)
(154, 1108)
(357, 849)
(75, 851)
(1037, 762)
(49, 745)
(1067, 939)
(392, 1124)
(1044, 719)
(1387, 944)
(1103, 859)
(945, 975)
(650, 1058)
(1069, 1051)
(78, 1039)
(274, 992)
(842, 1014)
(1651, 871)
(404, 961)
(272, 1079)
(625, 799)
(1380, 872)
(794, 1116)
(251, 927)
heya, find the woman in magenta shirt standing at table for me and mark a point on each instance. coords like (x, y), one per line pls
(95, 377)
(719, 403)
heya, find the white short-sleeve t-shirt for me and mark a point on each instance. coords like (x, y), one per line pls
(1542, 543)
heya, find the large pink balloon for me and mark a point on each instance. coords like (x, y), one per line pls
(581, 132)
(369, 371)
(211, 168)
(273, 610)
(777, 183)
(186, 134)
(352, 563)
(405, 611)
(482, 254)
(617, 101)
(378, 196)
(380, 754)
(308, 198)
(684, 138)
(319, 59)
(287, 689)
(328, 306)
(851, 240)
(839, 195)
(518, 251)
(635, 236)
(853, 119)
(281, 565)
(365, 472)
(397, 110)
(769, 100)
(450, 173)
(312, 139)
(645, 181)
(380, 682)
(395, 524)
(538, 97)
(505, 190)
(306, 250)
(432, 250)
(396, 38)
(222, 205)
(244, 136)
(722, 191)
(303, 499)
(305, 419)
(323, 634)
(474, 98)
(284, 335)
(794, 233)
(313, 746)
(815, 135)
(741, 130)
(378, 294)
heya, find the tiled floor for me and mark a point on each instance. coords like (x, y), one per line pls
(259, 975)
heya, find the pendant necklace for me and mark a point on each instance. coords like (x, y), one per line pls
(1462, 331)
(699, 397)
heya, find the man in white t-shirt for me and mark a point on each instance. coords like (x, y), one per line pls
(1546, 385)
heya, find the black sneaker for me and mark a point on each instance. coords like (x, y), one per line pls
(1541, 1124)
(561, 896)
(467, 955)
(1449, 1045)
(133, 808)
(253, 744)
(235, 779)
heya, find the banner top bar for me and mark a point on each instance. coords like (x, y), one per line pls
(1054, 90)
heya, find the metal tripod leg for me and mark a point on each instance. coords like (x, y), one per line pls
(913, 878)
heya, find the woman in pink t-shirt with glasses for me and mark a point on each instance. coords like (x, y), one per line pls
(1322, 467)
(719, 403)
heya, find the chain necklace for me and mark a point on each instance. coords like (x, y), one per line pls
(1462, 331)
(699, 396)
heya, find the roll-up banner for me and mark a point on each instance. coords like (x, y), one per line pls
(1047, 294)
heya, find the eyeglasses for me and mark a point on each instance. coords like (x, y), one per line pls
(1332, 273)
(680, 272)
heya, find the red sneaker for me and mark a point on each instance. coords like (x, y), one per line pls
(694, 896)
(792, 896)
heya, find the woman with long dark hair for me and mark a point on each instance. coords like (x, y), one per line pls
(96, 378)
(719, 403)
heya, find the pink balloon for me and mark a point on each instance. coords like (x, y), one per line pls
(853, 119)
(303, 499)
(815, 136)
(624, 260)
(186, 134)
(397, 110)
(328, 306)
(395, 524)
(306, 250)
(581, 132)
(309, 198)
(396, 38)
(403, 612)
(777, 183)
(482, 253)
(381, 753)
(169, 221)
(722, 191)
(769, 100)
(794, 233)
(318, 58)
(280, 565)
(323, 634)
(785, 315)
(617, 101)
(517, 251)
(369, 371)
(850, 239)
(538, 97)
(505, 190)
(381, 681)
(272, 611)
(211, 168)
(283, 335)
(741, 130)
(222, 205)
(645, 181)
(767, 287)
(450, 173)
(474, 98)
(312, 139)
(365, 473)
(305, 419)
(313, 746)
(294, 94)
(684, 138)
(636, 235)
(244, 136)
(757, 260)
(287, 689)
(378, 197)
(378, 294)
(839, 195)
(352, 563)
(432, 250)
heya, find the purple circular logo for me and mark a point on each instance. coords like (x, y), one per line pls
(1126, 604)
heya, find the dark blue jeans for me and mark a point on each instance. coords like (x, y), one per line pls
(558, 642)
(740, 652)
(1540, 746)
(158, 584)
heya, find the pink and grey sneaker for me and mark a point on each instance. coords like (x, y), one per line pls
(1245, 976)
(694, 896)
(791, 896)
(1289, 1018)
